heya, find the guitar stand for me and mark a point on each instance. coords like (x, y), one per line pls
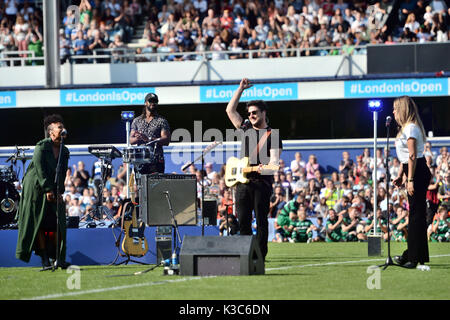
(126, 261)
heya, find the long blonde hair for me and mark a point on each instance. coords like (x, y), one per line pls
(407, 112)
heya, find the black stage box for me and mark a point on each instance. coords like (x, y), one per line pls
(213, 255)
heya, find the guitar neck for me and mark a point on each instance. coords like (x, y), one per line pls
(251, 169)
(133, 215)
(256, 168)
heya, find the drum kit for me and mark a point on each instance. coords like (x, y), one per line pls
(9, 196)
(140, 155)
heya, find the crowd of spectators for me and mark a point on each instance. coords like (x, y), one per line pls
(174, 27)
(341, 203)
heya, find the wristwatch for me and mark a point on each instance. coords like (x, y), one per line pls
(410, 180)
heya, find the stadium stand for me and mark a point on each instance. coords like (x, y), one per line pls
(138, 30)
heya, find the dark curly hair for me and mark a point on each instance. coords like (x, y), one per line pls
(48, 120)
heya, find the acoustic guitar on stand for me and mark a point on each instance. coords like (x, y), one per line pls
(236, 170)
(134, 242)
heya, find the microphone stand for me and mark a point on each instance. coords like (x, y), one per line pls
(389, 261)
(57, 263)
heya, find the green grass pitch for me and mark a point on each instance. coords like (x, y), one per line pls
(292, 271)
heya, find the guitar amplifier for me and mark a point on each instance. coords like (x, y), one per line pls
(155, 191)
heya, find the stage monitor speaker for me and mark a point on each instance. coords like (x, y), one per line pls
(213, 255)
(154, 208)
(210, 211)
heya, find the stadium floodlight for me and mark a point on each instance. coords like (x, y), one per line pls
(375, 106)
(127, 115)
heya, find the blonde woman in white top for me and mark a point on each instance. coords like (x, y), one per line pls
(409, 145)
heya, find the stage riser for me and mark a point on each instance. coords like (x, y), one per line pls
(91, 246)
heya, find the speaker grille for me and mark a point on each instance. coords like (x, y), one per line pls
(182, 193)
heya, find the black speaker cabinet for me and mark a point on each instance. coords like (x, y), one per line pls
(154, 206)
(210, 211)
(163, 240)
(213, 255)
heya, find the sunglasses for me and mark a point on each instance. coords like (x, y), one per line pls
(252, 113)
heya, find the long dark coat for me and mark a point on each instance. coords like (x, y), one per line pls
(38, 180)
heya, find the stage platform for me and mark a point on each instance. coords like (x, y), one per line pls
(95, 246)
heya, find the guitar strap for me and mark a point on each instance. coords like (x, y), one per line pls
(260, 144)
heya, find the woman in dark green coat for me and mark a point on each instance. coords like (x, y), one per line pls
(37, 209)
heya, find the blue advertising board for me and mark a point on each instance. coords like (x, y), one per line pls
(396, 87)
(99, 97)
(267, 92)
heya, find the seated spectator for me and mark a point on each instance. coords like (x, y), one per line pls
(210, 26)
(311, 167)
(232, 226)
(302, 184)
(331, 194)
(400, 225)
(408, 36)
(321, 231)
(342, 206)
(217, 47)
(75, 209)
(261, 30)
(346, 165)
(236, 49)
(226, 21)
(321, 209)
(277, 201)
(352, 226)
(297, 165)
(411, 23)
(226, 206)
(439, 230)
(302, 228)
(444, 191)
(333, 227)
(381, 227)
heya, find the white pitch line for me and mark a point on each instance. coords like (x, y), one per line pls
(153, 283)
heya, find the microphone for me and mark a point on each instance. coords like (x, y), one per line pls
(64, 133)
(388, 121)
(246, 124)
(166, 192)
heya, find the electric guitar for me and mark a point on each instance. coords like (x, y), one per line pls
(134, 242)
(236, 170)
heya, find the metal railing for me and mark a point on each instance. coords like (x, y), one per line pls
(8, 58)
(128, 55)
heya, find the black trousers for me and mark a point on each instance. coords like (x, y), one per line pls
(254, 196)
(417, 251)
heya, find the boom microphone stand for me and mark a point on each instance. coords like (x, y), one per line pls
(202, 157)
(389, 261)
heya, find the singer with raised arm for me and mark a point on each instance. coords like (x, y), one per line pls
(260, 148)
(38, 205)
(415, 175)
(152, 130)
